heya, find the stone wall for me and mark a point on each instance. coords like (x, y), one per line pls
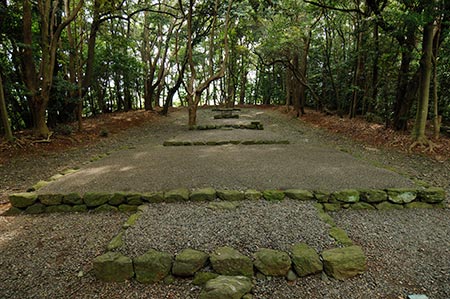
(35, 203)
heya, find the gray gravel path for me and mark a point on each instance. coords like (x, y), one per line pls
(302, 164)
(252, 225)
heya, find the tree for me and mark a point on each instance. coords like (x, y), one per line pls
(39, 83)
(193, 88)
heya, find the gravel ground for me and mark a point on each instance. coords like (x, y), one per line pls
(303, 165)
(253, 225)
(408, 250)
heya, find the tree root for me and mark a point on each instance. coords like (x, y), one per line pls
(423, 142)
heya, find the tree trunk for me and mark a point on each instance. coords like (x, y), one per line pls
(357, 77)
(418, 133)
(4, 114)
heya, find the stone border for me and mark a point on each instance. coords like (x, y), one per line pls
(223, 142)
(254, 125)
(34, 203)
(226, 268)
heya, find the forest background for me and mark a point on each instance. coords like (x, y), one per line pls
(65, 60)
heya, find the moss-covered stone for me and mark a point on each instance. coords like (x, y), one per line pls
(340, 236)
(116, 242)
(226, 287)
(252, 194)
(50, 199)
(72, 199)
(153, 197)
(432, 195)
(153, 266)
(176, 195)
(231, 195)
(362, 206)
(127, 208)
(388, 206)
(299, 194)
(201, 278)
(23, 200)
(322, 196)
(79, 208)
(332, 207)
(401, 195)
(69, 171)
(229, 261)
(37, 208)
(131, 221)
(189, 261)
(40, 185)
(113, 267)
(343, 263)
(204, 194)
(419, 205)
(56, 177)
(117, 199)
(13, 211)
(134, 199)
(273, 195)
(106, 208)
(347, 195)
(373, 196)
(95, 199)
(326, 218)
(223, 205)
(306, 260)
(58, 209)
(272, 262)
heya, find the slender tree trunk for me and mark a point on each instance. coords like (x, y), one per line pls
(418, 133)
(357, 76)
(437, 120)
(4, 114)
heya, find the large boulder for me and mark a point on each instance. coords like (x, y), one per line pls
(23, 200)
(432, 195)
(306, 260)
(226, 287)
(229, 261)
(343, 263)
(299, 194)
(113, 267)
(401, 195)
(153, 266)
(189, 261)
(272, 262)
